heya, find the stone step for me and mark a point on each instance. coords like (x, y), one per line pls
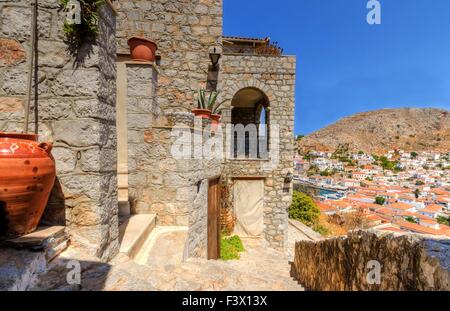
(133, 232)
(51, 240)
(24, 259)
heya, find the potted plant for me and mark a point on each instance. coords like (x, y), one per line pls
(202, 109)
(27, 175)
(215, 111)
(142, 49)
(207, 108)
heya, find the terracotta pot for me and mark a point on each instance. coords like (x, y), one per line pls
(142, 49)
(27, 175)
(202, 113)
(215, 121)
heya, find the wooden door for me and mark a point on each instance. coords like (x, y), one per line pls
(214, 219)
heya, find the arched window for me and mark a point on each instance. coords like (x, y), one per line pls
(250, 116)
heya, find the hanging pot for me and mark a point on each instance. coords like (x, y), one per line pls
(142, 49)
(27, 175)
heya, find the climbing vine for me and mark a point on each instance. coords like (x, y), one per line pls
(81, 24)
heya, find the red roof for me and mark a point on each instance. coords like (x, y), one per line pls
(434, 208)
(400, 206)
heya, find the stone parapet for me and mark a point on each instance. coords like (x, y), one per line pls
(372, 260)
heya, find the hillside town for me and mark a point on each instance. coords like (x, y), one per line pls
(396, 192)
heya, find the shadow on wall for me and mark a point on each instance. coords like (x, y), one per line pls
(55, 212)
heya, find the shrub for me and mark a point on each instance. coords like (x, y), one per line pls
(304, 209)
(380, 200)
(230, 248)
(322, 230)
(411, 219)
(443, 220)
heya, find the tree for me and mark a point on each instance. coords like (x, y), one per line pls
(417, 193)
(304, 209)
(410, 219)
(420, 183)
(414, 155)
(443, 220)
(380, 200)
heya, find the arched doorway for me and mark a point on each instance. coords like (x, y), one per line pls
(250, 115)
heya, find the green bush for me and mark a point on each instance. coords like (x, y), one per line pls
(443, 220)
(321, 229)
(304, 209)
(380, 200)
(230, 248)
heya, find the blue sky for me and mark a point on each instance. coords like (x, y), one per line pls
(345, 65)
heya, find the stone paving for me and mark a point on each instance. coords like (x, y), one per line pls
(260, 268)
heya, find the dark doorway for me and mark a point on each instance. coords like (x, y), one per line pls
(213, 219)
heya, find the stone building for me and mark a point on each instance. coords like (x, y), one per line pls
(114, 122)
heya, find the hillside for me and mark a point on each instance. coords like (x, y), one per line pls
(410, 129)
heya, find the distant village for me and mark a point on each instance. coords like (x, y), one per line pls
(398, 192)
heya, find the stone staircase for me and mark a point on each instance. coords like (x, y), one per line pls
(133, 232)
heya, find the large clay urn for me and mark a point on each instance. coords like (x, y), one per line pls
(27, 175)
(142, 49)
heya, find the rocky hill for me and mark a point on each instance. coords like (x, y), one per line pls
(410, 129)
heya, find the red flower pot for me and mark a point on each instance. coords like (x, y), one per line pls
(215, 121)
(202, 113)
(27, 175)
(142, 49)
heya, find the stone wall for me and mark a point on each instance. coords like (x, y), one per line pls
(76, 110)
(275, 77)
(174, 189)
(408, 262)
(184, 32)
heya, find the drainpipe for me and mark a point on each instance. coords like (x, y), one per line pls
(30, 64)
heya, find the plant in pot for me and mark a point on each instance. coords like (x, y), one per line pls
(207, 107)
(214, 107)
(202, 110)
(142, 49)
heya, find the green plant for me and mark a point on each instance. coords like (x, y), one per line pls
(304, 209)
(230, 247)
(209, 102)
(410, 219)
(321, 229)
(443, 220)
(87, 30)
(417, 193)
(380, 200)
